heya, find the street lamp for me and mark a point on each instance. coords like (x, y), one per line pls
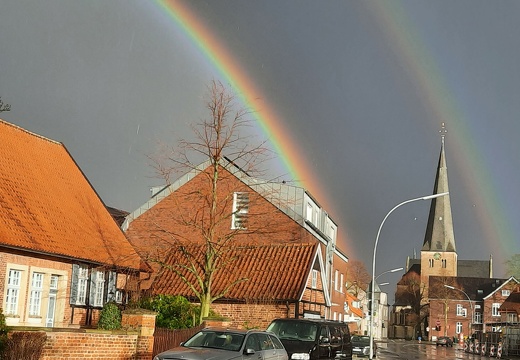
(429, 197)
(371, 305)
(389, 271)
(470, 323)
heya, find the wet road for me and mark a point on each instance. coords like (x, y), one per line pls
(412, 350)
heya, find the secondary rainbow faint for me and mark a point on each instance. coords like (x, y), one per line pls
(404, 37)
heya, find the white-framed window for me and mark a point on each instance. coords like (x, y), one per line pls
(339, 316)
(240, 210)
(314, 279)
(309, 212)
(336, 275)
(332, 232)
(98, 287)
(512, 318)
(461, 311)
(79, 285)
(341, 283)
(35, 299)
(443, 262)
(82, 285)
(478, 318)
(477, 306)
(54, 282)
(431, 262)
(494, 309)
(119, 296)
(458, 327)
(506, 292)
(13, 292)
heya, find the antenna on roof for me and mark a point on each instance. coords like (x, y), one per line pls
(235, 165)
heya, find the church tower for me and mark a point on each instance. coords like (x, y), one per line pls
(439, 254)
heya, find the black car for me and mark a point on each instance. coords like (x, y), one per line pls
(228, 344)
(361, 345)
(444, 341)
(313, 339)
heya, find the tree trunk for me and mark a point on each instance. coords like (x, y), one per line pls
(205, 303)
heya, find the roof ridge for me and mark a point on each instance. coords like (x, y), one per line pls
(285, 245)
(16, 127)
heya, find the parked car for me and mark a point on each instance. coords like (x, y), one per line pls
(444, 341)
(227, 344)
(361, 345)
(313, 339)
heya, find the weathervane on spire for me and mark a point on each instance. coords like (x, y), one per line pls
(443, 131)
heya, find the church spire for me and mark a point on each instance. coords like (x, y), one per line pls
(439, 234)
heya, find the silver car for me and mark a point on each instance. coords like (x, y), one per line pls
(228, 344)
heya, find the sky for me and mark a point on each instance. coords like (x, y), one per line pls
(350, 94)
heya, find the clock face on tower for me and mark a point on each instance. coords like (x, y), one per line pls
(436, 256)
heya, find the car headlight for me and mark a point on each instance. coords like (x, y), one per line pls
(366, 350)
(300, 356)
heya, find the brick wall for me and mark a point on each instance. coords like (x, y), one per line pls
(252, 315)
(136, 344)
(70, 345)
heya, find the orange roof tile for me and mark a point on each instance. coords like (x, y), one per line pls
(48, 206)
(273, 272)
(355, 310)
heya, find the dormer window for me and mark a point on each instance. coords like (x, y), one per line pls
(240, 210)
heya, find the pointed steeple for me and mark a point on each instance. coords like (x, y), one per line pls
(439, 230)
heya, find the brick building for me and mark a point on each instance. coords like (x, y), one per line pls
(273, 228)
(416, 311)
(62, 256)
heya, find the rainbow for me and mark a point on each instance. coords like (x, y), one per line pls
(231, 72)
(435, 93)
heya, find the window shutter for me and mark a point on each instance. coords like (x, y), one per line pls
(240, 210)
(111, 288)
(74, 284)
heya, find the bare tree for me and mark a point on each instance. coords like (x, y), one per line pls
(513, 266)
(412, 293)
(222, 142)
(4, 106)
(357, 278)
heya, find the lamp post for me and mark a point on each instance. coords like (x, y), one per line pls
(375, 305)
(470, 323)
(429, 197)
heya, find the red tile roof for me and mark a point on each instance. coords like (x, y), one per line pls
(512, 303)
(273, 272)
(48, 206)
(355, 310)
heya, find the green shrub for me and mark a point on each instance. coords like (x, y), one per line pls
(3, 331)
(110, 317)
(24, 345)
(173, 312)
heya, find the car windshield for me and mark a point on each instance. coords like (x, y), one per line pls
(216, 340)
(361, 339)
(294, 330)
